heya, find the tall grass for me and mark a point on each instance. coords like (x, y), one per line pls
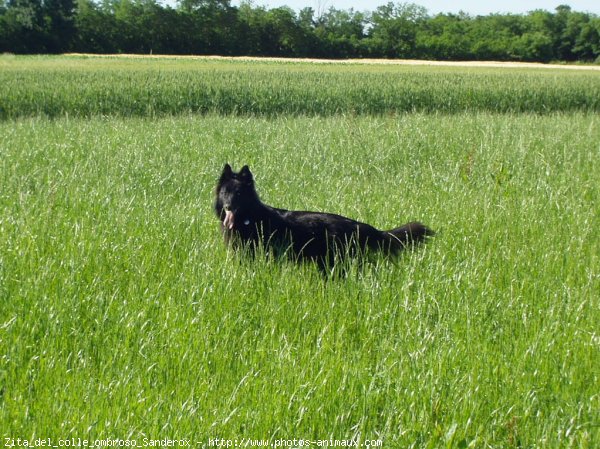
(85, 87)
(123, 316)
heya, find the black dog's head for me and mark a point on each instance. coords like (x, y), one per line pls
(235, 195)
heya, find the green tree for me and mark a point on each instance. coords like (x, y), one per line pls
(212, 26)
(276, 32)
(445, 36)
(282, 32)
(96, 29)
(577, 37)
(59, 17)
(535, 42)
(562, 39)
(394, 29)
(587, 45)
(24, 27)
(341, 32)
(493, 36)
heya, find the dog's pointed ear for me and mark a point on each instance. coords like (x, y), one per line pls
(227, 172)
(245, 174)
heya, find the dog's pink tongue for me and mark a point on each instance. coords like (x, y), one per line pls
(228, 222)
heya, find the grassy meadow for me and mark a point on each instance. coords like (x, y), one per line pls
(122, 314)
(130, 87)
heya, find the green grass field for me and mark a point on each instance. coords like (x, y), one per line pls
(122, 314)
(86, 87)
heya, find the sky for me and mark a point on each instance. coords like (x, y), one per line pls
(473, 7)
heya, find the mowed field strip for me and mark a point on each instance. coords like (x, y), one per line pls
(496, 64)
(124, 316)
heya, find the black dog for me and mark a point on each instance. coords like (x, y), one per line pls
(316, 236)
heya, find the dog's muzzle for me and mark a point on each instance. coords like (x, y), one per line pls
(229, 219)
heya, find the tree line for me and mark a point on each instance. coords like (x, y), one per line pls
(202, 27)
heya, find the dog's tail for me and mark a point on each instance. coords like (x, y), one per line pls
(407, 235)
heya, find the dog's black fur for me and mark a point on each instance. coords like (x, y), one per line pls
(316, 236)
